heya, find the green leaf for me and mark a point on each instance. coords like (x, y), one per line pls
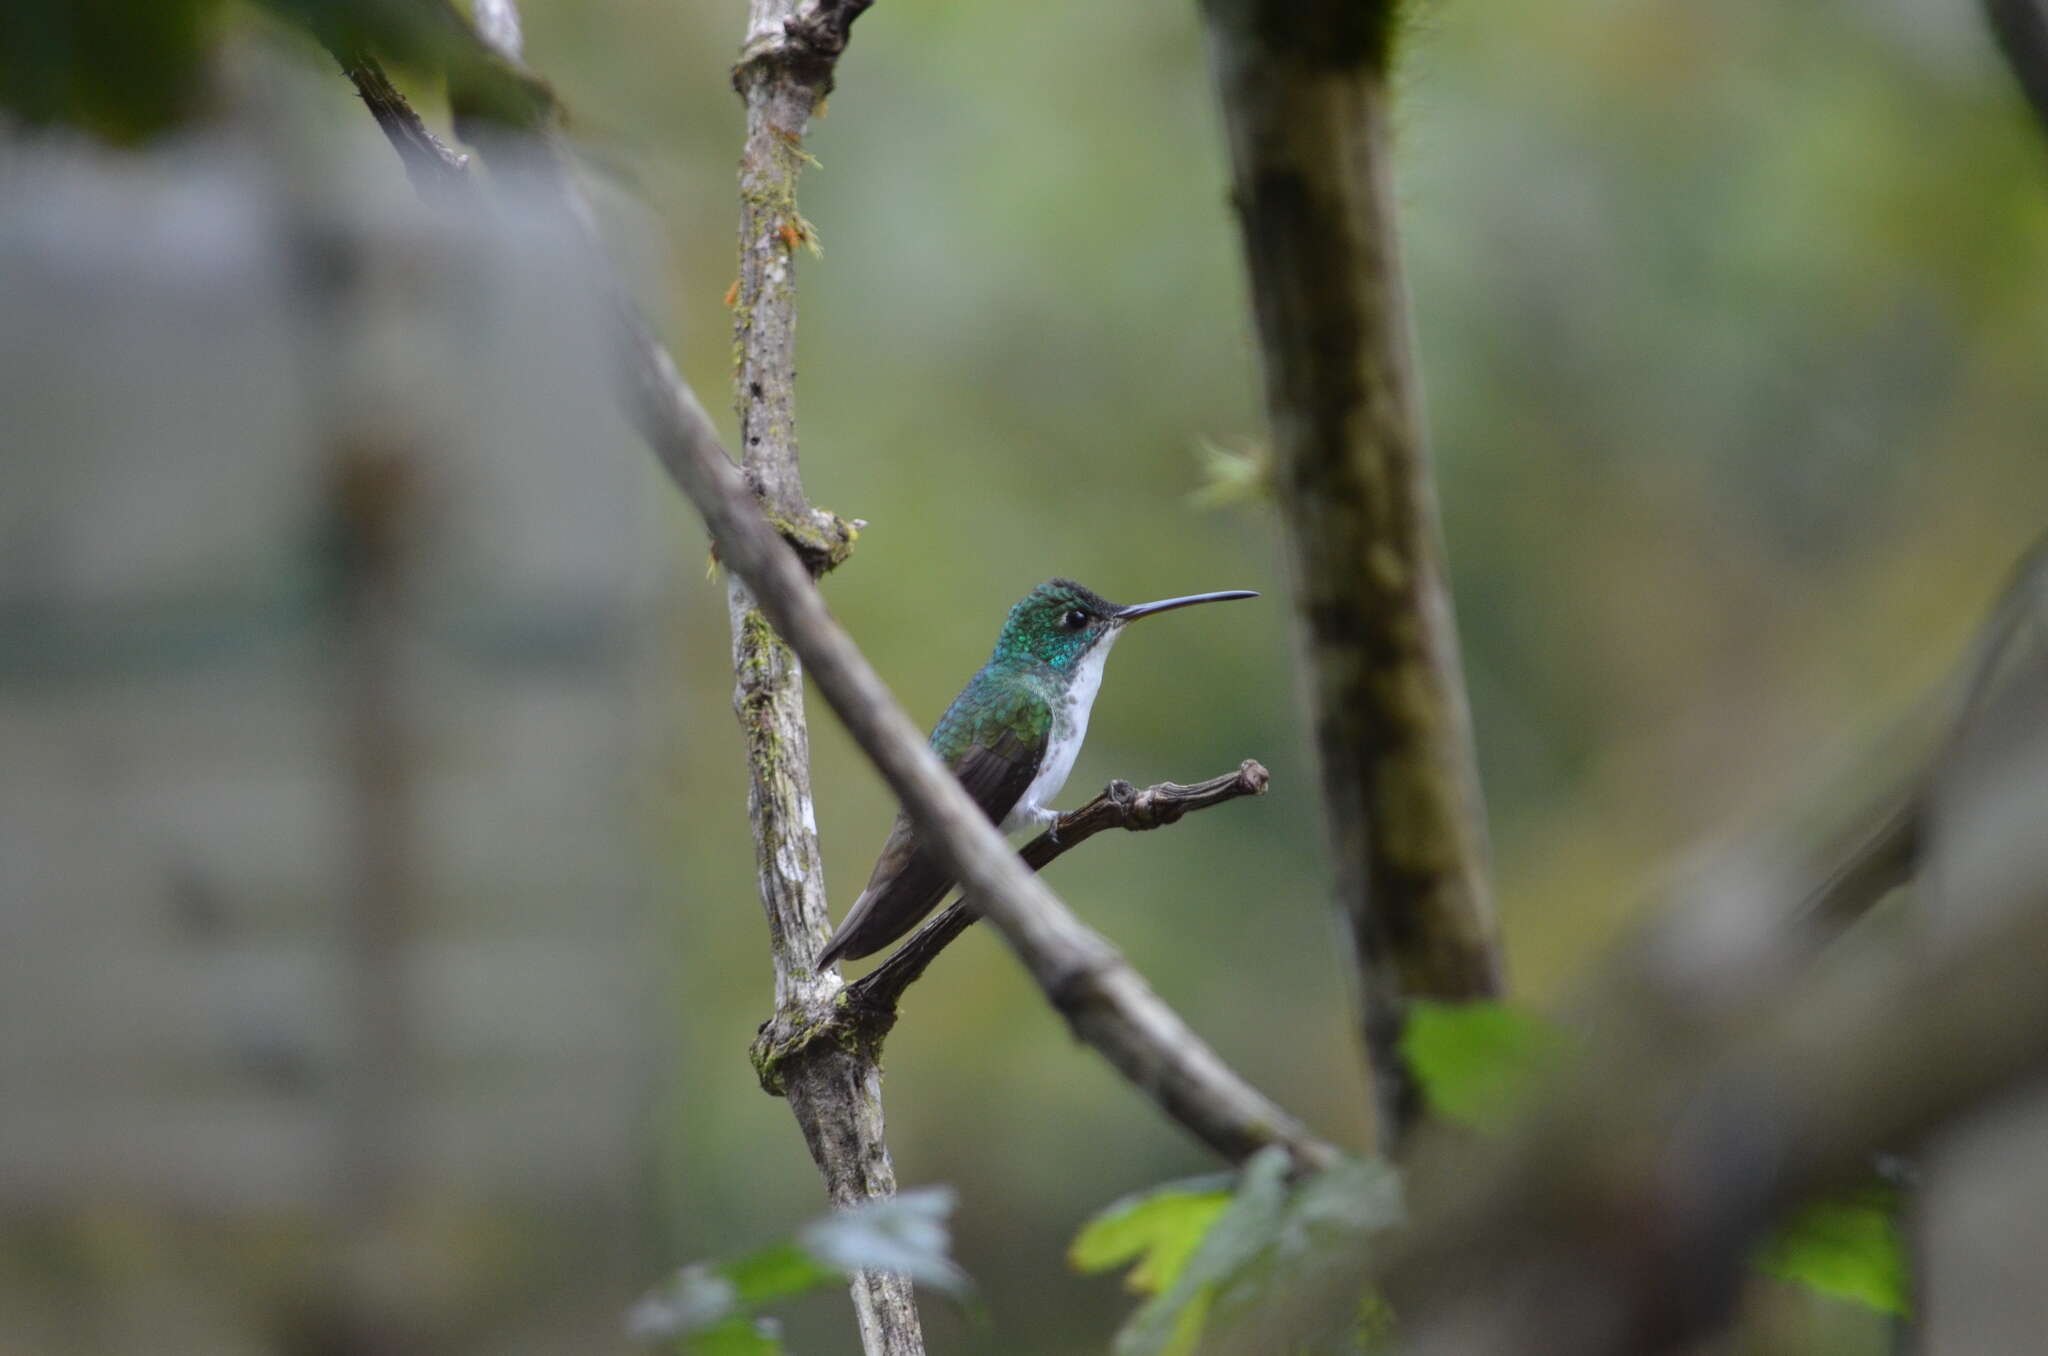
(122, 69)
(1158, 1229)
(1266, 1238)
(776, 1273)
(1847, 1247)
(1232, 475)
(1477, 1062)
(738, 1336)
(1373, 1331)
(1170, 1322)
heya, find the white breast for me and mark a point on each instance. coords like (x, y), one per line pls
(1069, 728)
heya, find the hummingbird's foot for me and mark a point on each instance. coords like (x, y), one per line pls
(1043, 818)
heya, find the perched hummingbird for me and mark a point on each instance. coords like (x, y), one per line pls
(1011, 737)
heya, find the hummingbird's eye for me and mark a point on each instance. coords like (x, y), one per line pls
(1075, 619)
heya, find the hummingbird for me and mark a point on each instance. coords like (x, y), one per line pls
(1011, 737)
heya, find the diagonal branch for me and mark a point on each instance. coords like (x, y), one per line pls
(1107, 1003)
(439, 173)
(1888, 846)
(1307, 109)
(2021, 28)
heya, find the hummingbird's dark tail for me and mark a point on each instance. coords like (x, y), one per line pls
(847, 943)
(907, 884)
(865, 930)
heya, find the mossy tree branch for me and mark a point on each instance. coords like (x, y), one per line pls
(836, 1091)
(1307, 109)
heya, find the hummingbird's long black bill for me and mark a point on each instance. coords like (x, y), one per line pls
(1137, 610)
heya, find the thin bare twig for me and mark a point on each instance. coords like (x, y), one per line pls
(874, 996)
(1306, 105)
(439, 173)
(1889, 842)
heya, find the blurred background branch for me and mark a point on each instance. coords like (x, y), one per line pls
(1307, 107)
(376, 507)
(2021, 27)
(1620, 1217)
(1885, 848)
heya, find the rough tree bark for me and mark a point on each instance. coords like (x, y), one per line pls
(1307, 109)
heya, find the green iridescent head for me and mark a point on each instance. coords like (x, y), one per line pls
(1056, 623)
(1059, 622)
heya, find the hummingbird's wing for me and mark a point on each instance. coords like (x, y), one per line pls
(908, 880)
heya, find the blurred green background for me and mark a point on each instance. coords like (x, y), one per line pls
(1732, 321)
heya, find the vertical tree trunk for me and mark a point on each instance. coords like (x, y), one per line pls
(1306, 106)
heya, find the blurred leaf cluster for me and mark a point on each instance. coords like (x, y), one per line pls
(714, 1308)
(121, 69)
(1480, 1064)
(1204, 1253)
